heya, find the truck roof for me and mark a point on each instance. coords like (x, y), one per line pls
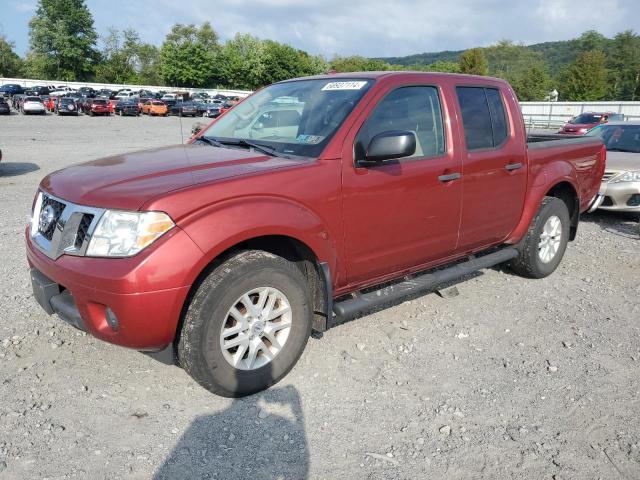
(401, 74)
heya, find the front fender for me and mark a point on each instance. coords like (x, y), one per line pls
(218, 227)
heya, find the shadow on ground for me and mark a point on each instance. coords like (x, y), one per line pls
(618, 223)
(238, 443)
(14, 169)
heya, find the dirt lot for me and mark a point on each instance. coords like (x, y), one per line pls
(512, 378)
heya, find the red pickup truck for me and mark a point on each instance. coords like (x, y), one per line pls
(309, 202)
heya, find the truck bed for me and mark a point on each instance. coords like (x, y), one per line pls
(547, 140)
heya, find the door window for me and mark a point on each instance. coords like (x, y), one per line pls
(414, 109)
(483, 117)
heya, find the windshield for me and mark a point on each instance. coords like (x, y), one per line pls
(618, 138)
(32, 99)
(100, 102)
(587, 118)
(297, 117)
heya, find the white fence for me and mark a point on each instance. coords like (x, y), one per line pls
(554, 114)
(27, 82)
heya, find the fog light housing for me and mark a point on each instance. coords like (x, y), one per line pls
(112, 320)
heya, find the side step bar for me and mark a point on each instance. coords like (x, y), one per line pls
(423, 282)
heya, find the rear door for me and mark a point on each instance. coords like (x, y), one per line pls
(494, 164)
(403, 213)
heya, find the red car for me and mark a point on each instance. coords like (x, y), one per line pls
(586, 121)
(98, 106)
(320, 198)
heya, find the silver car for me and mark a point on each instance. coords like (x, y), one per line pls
(620, 190)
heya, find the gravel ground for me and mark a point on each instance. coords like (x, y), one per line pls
(511, 378)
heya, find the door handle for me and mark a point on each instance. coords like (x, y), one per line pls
(510, 167)
(450, 177)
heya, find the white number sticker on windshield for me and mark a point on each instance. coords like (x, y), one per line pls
(352, 85)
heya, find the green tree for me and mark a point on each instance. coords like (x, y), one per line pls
(147, 64)
(591, 40)
(118, 57)
(525, 69)
(473, 62)
(10, 62)
(437, 66)
(532, 82)
(281, 62)
(358, 64)
(62, 40)
(241, 63)
(187, 55)
(586, 78)
(625, 66)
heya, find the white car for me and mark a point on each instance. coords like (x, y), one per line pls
(123, 95)
(33, 105)
(169, 96)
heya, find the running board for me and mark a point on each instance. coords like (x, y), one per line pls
(360, 302)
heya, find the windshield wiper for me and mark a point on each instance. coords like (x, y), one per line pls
(256, 146)
(211, 141)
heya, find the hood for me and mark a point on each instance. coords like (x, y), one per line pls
(623, 161)
(574, 127)
(128, 181)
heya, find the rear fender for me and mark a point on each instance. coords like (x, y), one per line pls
(544, 179)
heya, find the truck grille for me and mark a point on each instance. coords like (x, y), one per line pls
(49, 204)
(83, 230)
(62, 227)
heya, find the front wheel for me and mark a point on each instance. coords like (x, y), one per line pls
(546, 241)
(247, 324)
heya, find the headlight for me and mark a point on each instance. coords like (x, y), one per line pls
(123, 234)
(627, 177)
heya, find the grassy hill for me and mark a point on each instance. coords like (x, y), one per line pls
(557, 55)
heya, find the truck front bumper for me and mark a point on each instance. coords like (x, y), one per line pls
(116, 301)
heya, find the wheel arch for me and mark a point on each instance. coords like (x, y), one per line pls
(566, 192)
(287, 247)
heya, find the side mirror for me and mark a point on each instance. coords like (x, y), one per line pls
(389, 145)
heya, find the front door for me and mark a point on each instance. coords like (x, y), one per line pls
(402, 213)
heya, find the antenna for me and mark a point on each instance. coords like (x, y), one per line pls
(181, 132)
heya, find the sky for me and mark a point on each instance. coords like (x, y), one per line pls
(372, 28)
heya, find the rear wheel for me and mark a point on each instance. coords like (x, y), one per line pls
(546, 241)
(247, 324)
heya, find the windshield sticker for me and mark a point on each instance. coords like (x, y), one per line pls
(344, 85)
(310, 139)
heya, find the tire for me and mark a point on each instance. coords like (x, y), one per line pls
(199, 350)
(529, 262)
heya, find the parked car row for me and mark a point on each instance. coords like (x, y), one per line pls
(73, 103)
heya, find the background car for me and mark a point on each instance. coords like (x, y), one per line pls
(155, 107)
(11, 89)
(97, 106)
(127, 107)
(66, 106)
(4, 107)
(87, 91)
(37, 91)
(213, 109)
(184, 109)
(33, 105)
(16, 101)
(584, 122)
(620, 187)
